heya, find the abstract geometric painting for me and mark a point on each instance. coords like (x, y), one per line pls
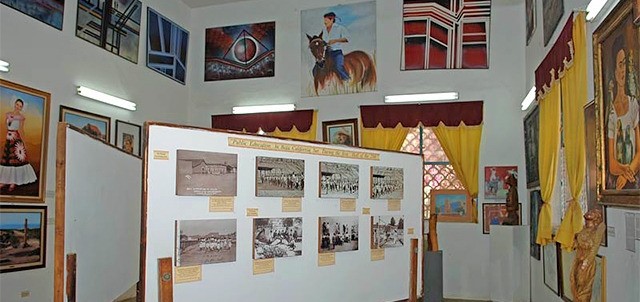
(120, 34)
(48, 11)
(240, 51)
(445, 34)
(552, 11)
(166, 46)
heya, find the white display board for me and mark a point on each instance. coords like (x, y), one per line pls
(102, 216)
(353, 277)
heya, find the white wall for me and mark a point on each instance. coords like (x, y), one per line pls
(56, 61)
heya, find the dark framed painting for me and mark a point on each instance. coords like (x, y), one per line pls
(617, 86)
(531, 137)
(551, 267)
(535, 203)
(494, 181)
(240, 51)
(50, 12)
(451, 205)
(552, 11)
(495, 214)
(167, 45)
(530, 10)
(129, 137)
(591, 164)
(23, 163)
(341, 132)
(23, 237)
(93, 124)
(113, 25)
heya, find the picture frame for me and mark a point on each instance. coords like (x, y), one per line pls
(277, 237)
(591, 163)
(530, 15)
(599, 292)
(614, 43)
(535, 203)
(341, 132)
(338, 180)
(271, 170)
(387, 231)
(551, 267)
(531, 142)
(338, 234)
(95, 125)
(205, 241)
(167, 45)
(19, 253)
(203, 173)
(494, 213)
(129, 137)
(50, 12)
(552, 12)
(494, 181)
(386, 183)
(24, 150)
(451, 205)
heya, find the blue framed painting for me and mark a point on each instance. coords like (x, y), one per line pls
(166, 46)
(93, 124)
(50, 12)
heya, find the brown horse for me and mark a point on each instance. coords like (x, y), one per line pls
(357, 63)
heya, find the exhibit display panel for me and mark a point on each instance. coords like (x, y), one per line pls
(268, 231)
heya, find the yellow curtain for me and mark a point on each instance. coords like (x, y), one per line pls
(548, 143)
(574, 96)
(384, 138)
(295, 134)
(461, 144)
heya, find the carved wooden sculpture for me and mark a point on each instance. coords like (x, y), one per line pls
(433, 236)
(512, 201)
(586, 245)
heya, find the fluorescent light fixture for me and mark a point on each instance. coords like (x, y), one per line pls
(531, 96)
(424, 97)
(4, 66)
(105, 98)
(594, 7)
(264, 108)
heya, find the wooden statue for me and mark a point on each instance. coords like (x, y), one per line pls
(586, 244)
(433, 236)
(512, 201)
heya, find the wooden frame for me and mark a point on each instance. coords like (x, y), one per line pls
(548, 266)
(531, 143)
(503, 212)
(16, 218)
(616, 31)
(126, 133)
(82, 119)
(459, 196)
(35, 109)
(341, 132)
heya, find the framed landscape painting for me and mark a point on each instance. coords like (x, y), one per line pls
(341, 132)
(23, 237)
(129, 137)
(51, 12)
(451, 205)
(24, 150)
(93, 124)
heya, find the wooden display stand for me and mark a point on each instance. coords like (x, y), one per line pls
(509, 263)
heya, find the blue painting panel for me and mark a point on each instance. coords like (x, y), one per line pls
(166, 46)
(48, 11)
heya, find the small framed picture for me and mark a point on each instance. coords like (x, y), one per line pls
(341, 132)
(494, 181)
(495, 213)
(93, 124)
(451, 205)
(129, 137)
(23, 237)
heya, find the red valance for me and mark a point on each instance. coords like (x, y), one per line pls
(553, 65)
(451, 114)
(268, 122)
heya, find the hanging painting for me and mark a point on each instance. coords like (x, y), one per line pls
(119, 34)
(129, 137)
(494, 181)
(96, 125)
(530, 9)
(240, 51)
(495, 214)
(451, 205)
(23, 237)
(531, 136)
(338, 49)
(50, 12)
(552, 11)
(535, 202)
(166, 46)
(445, 34)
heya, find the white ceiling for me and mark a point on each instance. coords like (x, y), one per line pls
(201, 3)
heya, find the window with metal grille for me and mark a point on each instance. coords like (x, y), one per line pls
(437, 171)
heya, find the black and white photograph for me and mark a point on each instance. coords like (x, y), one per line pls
(387, 183)
(338, 234)
(205, 241)
(338, 180)
(201, 173)
(277, 237)
(387, 231)
(279, 177)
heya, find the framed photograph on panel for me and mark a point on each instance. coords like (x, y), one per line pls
(201, 173)
(341, 132)
(387, 183)
(279, 177)
(617, 85)
(23, 161)
(531, 136)
(339, 180)
(550, 267)
(495, 213)
(338, 234)
(535, 202)
(207, 241)
(387, 231)
(129, 137)
(277, 237)
(93, 124)
(451, 205)
(494, 177)
(23, 237)
(166, 46)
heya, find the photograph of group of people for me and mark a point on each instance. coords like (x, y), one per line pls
(338, 234)
(387, 231)
(205, 241)
(387, 183)
(200, 173)
(279, 177)
(277, 237)
(339, 180)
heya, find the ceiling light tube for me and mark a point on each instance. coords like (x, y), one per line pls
(424, 97)
(531, 96)
(4, 66)
(263, 108)
(105, 98)
(594, 7)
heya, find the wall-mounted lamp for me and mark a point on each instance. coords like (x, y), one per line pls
(424, 97)
(105, 98)
(531, 96)
(594, 7)
(264, 108)
(4, 66)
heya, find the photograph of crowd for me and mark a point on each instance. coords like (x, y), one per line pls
(201, 173)
(277, 237)
(339, 180)
(205, 241)
(387, 183)
(338, 234)
(279, 177)
(387, 231)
